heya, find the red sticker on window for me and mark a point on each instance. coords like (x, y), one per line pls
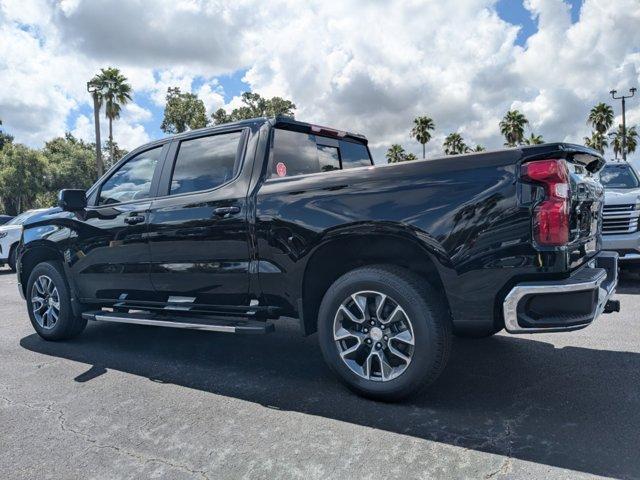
(281, 169)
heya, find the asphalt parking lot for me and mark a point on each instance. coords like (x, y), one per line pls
(143, 402)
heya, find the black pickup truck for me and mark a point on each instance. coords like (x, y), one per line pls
(229, 228)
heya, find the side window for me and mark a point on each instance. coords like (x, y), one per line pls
(132, 181)
(205, 163)
(297, 153)
(354, 155)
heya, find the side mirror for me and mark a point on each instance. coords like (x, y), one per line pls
(72, 200)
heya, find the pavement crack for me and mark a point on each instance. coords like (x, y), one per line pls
(94, 443)
(506, 439)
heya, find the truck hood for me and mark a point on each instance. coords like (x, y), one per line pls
(41, 214)
(613, 196)
(8, 228)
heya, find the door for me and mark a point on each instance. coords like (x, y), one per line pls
(198, 229)
(111, 254)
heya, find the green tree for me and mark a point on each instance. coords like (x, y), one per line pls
(220, 116)
(632, 141)
(395, 154)
(597, 141)
(421, 131)
(512, 127)
(23, 175)
(534, 140)
(255, 106)
(183, 111)
(118, 153)
(601, 118)
(115, 93)
(454, 144)
(71, 163)
(4, 138)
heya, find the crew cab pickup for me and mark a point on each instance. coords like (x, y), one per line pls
(229, 228)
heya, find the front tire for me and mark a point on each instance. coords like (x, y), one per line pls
(11, 261)
(384, 331)
(49, 304)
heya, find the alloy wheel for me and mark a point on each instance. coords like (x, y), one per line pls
(374, 336)
(45, 302)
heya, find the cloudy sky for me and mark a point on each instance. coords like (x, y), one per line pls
(365, 66)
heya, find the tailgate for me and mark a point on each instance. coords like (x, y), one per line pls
(587, 198)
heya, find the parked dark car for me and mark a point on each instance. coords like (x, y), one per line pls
(231, 227)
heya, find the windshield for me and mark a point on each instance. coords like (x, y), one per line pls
(19, 219)
(619, 176)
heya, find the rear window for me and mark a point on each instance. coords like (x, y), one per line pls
(298, 153)
(328, 158)
(618, 176)
(354, 155)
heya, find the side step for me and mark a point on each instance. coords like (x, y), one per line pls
(192, 322)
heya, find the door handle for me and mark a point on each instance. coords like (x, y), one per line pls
(134, 219)
(226, 211)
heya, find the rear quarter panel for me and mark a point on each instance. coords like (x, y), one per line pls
(463, 211)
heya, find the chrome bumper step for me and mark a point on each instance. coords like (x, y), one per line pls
(188, 322)
(599, 279)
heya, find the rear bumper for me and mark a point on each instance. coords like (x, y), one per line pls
(562, 305)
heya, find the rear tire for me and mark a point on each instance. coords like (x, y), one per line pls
(49, 303)
(11, 261)
(401, 307)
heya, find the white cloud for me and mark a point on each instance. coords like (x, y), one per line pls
(136, 113)
(127, 132)
(212, 95)
(364, 66)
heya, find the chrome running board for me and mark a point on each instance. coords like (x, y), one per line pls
(192, 322)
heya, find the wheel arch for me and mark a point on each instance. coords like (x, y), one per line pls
(37, 252)
(342, 251)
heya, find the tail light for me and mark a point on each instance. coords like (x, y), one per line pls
(551, 216)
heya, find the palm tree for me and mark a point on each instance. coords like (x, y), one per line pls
(477, 148)
(632, 140)
(93, 86)
(454, 145)
(421, 131)
(395, 153)
(601, 118)
(534, 140)
(115, 92)
(512, 127)
(597, 141)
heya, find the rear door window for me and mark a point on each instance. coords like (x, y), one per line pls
(204, 163)
(299, 153)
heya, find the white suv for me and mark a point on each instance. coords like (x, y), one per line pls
(10, 234)
(621, 211)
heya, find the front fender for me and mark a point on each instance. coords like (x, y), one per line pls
(42, 242)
